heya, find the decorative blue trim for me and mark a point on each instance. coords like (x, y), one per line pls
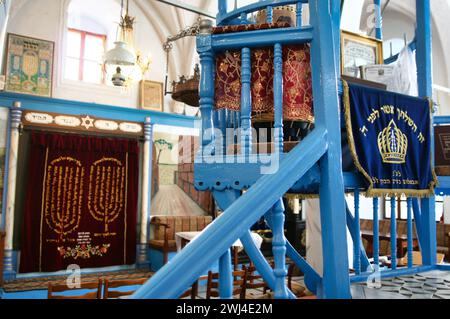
(10, 264)
(37, 103)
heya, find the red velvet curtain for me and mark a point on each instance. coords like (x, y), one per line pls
(81, 202)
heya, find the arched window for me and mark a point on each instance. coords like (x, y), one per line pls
(84, 56)
(89, 30)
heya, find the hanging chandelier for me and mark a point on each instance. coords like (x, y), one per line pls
(121, 59)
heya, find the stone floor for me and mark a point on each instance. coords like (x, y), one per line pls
(429, 285)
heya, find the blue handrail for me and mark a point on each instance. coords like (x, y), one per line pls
(224, 17)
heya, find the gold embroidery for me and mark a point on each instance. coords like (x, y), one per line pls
(106, 192)
(63, 194)
(83, 251)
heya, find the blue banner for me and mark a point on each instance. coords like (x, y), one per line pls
(390, 140)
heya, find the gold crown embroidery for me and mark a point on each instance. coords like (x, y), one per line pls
(393, 144)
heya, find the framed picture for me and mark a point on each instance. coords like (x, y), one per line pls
(358, 51)
(151, 96)
(29, 65)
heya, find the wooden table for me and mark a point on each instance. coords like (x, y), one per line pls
(402, 240)
(2, 249)
(183, 238)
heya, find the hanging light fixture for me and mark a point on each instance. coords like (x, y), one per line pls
(121, 59)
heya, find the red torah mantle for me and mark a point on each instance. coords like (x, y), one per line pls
(297, 81)
(81, 203)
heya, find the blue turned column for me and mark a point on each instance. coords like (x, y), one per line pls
(246, 106)
(376, 234)
(146, 192)
(204, 49)
(357, 239)
(279, 250)
(269, 14)
(410, 232)
(299, 12)
(278, 98)
(15, 121)
(393, 234)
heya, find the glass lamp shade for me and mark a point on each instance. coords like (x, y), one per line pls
(120, 55)
(120, 63)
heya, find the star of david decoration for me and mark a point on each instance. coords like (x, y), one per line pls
(87, 122)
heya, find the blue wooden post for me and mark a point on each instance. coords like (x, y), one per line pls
(357, 239)
(393, 234)
(279, 250)
(278, 98)
(225, 276)
(336, 281)
(378, 20)
(224, 200)
(336, 12)
(376, 233)
(246, 100)
(410, 232)
(299, 11)
(424, 77)
(222, 8)
(206, 53)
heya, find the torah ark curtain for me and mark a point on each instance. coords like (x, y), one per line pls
(81, 203)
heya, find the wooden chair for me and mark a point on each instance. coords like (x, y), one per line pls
(417, 259)
(193, 291)
(239, 284)
(96, 294)
(112, 294)
(254, 281)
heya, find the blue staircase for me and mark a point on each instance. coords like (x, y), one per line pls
(315, 162)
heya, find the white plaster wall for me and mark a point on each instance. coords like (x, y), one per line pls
(4, 17)
(46, 19)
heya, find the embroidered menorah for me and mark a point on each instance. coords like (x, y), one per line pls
(63, 193)
(107, 198)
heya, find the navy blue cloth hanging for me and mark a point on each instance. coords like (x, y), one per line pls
(390, 140)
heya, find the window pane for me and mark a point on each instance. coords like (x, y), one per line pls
(72, 68)
(92, 72)
(94, 48)
(73, 44)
